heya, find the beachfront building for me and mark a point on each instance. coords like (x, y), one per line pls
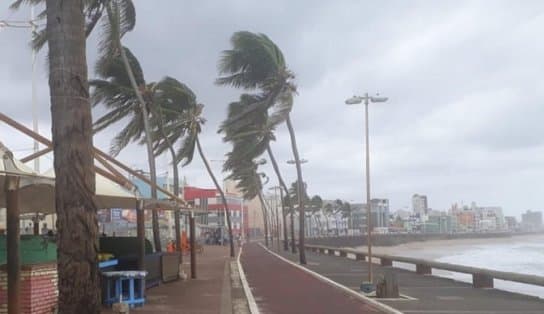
(210, 201)
(531, 220)
(511, 223)
(419, 204)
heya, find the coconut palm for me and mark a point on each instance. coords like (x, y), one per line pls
(78, 276)
(316, 204)
(250, 184)
(186, 125)
(113, 90)
(250, 138)
(256, 63)
(93, 12)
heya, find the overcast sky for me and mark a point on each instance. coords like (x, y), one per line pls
(464, 79)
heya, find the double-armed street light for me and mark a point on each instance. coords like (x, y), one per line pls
(355, 100)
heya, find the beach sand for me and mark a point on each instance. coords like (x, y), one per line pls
(435, 249)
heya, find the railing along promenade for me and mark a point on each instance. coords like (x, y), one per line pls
(481, 278)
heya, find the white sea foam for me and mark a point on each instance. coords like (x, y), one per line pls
(518, 254)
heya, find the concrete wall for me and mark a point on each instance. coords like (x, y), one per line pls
(396, 239)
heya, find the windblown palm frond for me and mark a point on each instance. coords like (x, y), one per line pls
(253, 60)
(94, 12)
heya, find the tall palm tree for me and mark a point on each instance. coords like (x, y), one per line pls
(256, 63)
(114, 90)
(93, 12)
(249, 182)
(172, 99)
(190, 122)
(250, 138)
(120, 18)
(78, 276)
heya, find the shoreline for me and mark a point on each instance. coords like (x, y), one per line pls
(435, 249)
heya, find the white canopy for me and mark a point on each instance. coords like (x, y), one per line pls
(108, 194)
(37, 192)
(32, 186)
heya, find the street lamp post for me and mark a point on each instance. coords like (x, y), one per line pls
(354, 101)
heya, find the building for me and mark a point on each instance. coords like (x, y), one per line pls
(511, 223)
(491, 219)
(379, 212)
(210, 200)
(379, 215)
(531, 220)
(466, 220)
(419, 204)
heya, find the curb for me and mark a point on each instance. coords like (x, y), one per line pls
(253, 308)
(345, 289)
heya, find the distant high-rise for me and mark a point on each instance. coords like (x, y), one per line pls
(419, 204)
(531, 220)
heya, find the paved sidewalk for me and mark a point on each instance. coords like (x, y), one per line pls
(281, 288)
(205, 295)
(425, 294)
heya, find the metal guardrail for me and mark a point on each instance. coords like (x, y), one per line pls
(481, 277)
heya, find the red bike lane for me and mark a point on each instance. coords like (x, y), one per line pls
(281, 288)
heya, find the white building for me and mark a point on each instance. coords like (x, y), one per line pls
(419, 204)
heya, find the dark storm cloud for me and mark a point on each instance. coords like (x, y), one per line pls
(464, 80)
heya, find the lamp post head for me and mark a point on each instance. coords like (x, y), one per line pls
(378, 99)
(354, 100)
(292, 162)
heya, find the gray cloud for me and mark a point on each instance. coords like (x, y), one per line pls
(463, 78)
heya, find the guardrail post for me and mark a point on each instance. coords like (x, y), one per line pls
(386, 262)
(423, 269)
(482, 281)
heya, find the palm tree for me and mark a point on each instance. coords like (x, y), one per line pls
(189, 122)
(114, 90)
(256, 63)
(249, 182)
(78, 276)
(93, 12)
(120, 19)
(172, 99)
(250, 137)
(316, 204)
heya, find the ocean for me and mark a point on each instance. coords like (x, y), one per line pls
(525, 256)
(518, 254)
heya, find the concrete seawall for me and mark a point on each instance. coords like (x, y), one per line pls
(397, 239)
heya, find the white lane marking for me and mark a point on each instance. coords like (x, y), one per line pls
(377, 304)
(253, 308)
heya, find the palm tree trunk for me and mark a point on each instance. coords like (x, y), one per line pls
(284, 187)
(218, 187)
(149, 140)
(302, 254)
(176, 181)
(293, 241)
(265, 220)
(77, 255)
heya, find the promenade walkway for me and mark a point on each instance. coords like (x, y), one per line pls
(424, 293)
(281, 288)
(208, 294)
